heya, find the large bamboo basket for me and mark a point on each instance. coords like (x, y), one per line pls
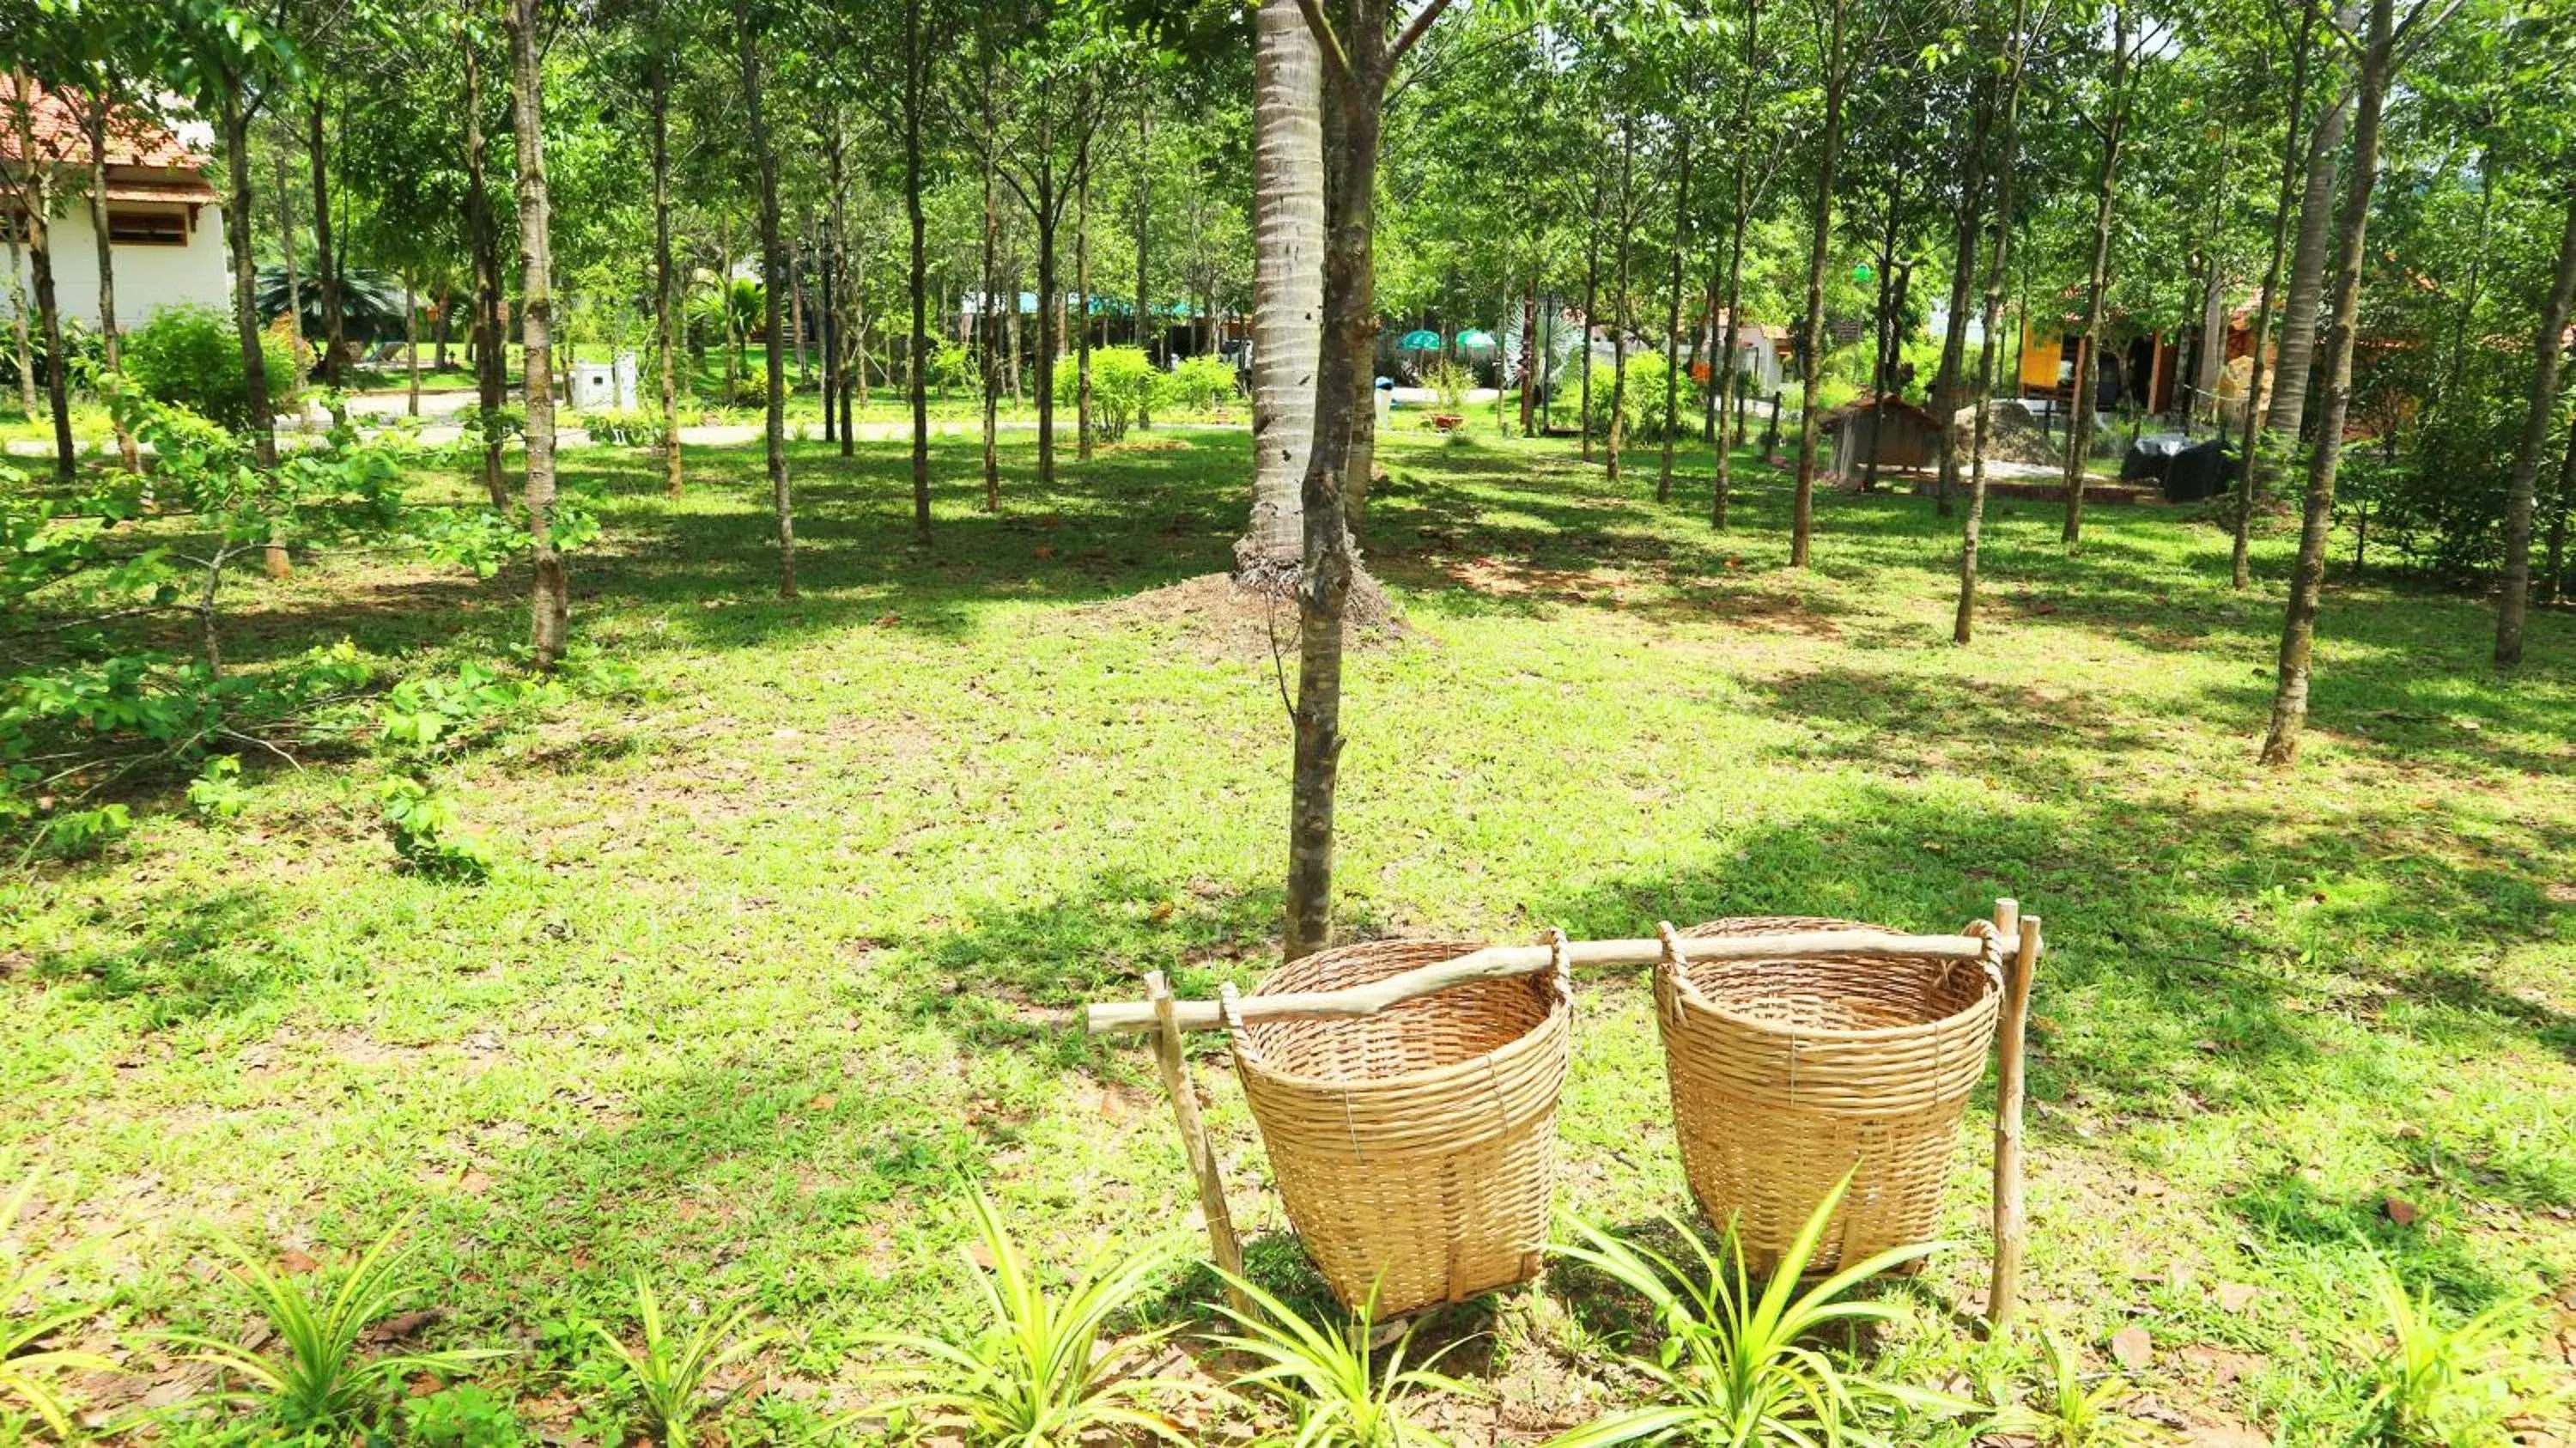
(1788, 1072)
(1415, 1149)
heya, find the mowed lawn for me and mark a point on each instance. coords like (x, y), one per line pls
(782, 942)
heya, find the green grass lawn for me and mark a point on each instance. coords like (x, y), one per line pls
(780, 943)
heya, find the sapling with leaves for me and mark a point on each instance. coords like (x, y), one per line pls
(314, 1372)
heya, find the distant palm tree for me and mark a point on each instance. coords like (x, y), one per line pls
(734, 309)
(371, 303)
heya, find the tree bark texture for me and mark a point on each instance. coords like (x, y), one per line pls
(2538, 425)
(551, 597)
(1287, 286)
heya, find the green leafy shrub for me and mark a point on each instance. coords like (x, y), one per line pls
(1733, 1365)
(1121, 378)
(1040, 1374)
(669, 1373)
(1199, 385)
(1642, 402)
(190, 357)
(952, 368)
(463, 1416)
(622, 427)
(1449, 379)
(316, 1376)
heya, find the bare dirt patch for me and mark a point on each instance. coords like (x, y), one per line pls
(1234, 620)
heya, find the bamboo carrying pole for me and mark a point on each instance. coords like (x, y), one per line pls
(1194, 1140)
(1500, 961)
(2011, 1227)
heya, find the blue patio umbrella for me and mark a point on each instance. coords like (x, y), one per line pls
(1475, 338)
(1422, 341)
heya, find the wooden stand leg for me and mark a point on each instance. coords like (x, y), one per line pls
(1194, 1141)
(2011, 1230)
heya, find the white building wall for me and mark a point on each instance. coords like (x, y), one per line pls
(147, 277)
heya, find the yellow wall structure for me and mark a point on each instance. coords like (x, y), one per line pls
(2039, 363)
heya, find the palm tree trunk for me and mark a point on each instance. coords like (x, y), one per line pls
(2537, 425)
(2307, 582)
(1287, 288)
(551, 597)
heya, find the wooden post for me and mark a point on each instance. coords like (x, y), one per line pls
(1194, 1141)
(2011, 1230)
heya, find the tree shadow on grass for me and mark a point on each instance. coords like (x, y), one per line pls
(190, 958)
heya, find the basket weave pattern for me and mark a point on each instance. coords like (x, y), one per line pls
(1788, 1072)
(1415, 1149)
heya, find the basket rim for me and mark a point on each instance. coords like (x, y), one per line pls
(1560, 1010)
(1689, 997)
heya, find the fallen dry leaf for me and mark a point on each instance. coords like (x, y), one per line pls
(2132, 1348)
(294, 1260)
(2401, 1211)
(2235, 1296)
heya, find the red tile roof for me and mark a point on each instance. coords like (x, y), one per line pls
(133, 139)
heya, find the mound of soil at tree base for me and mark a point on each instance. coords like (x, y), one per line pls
(1232, 618)
(2012, 435)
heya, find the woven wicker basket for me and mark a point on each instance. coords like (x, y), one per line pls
(1415, 1149)
(1788, 1072)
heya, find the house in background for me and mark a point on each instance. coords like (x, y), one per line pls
(164, 223)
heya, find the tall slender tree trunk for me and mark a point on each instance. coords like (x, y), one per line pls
(2305, 299)
(287, 252)
(236, 129)
(1829, 155)
(1739, 209)
(1948, 384)
(775, 284)
(2537, 426)
(2079, 432)
(2283, 211)
(1619, 312)
(1352, 121)
(1963, 625)
(1529, 357)
(326, 270)
(1673, 321)
(666, 282)
(35, 192)
(411, 349)
(20, 340)
(2556, 567)
(1287, 288)
(1144, 234)
(551, 598)
(796, 308)
(1882, 339)
(1082, 316)
(484, 236)
(1591, 300)
(988, 316)
(2307, 582)
(916, 64)
(111, 348)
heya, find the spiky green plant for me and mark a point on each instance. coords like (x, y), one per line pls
(27, 1370)
(318, 1377)
(2069, 1411)
(2434, 1385)
(1341, 1393)
(1039, 1374)
(670, 1373)
(1734, 1366)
